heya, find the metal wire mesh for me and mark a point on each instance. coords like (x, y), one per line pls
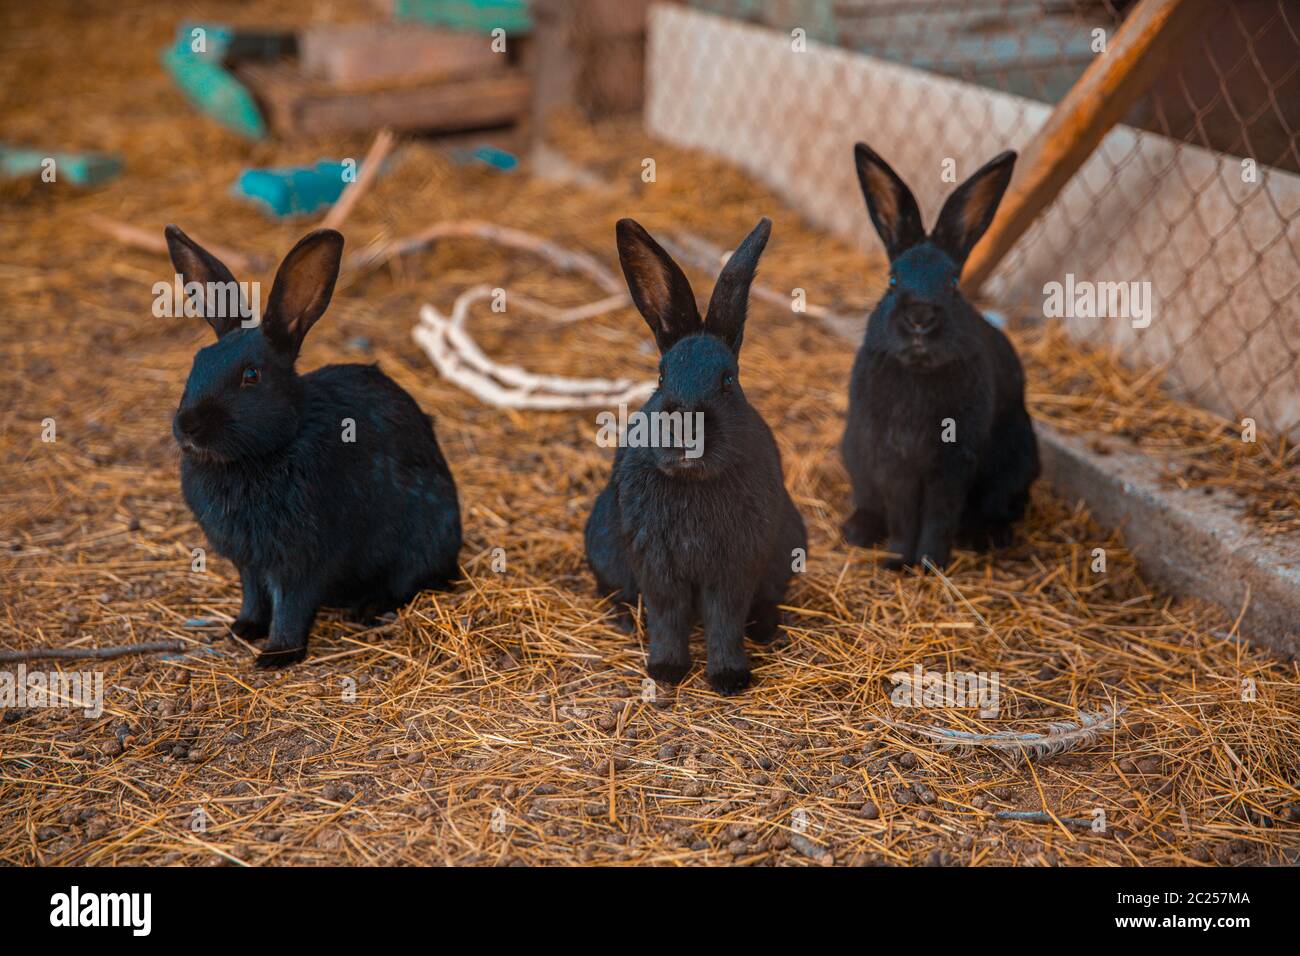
(1195, 193)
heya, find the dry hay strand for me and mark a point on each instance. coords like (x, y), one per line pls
(506, 722)
(1085, 390)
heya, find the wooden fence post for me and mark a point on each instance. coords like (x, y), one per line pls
(1137, 53)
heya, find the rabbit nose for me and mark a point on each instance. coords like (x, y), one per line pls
(199, 419)
(187, 421)
(922, 320)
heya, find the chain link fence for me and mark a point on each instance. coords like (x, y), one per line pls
(1195, 196)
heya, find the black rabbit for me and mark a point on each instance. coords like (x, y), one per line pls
(323, 489)
(937, 443)
(712, 537)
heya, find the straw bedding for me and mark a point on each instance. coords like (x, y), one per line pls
(507, 722)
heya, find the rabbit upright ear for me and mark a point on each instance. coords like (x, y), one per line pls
(659, 288)
(969, 210)
(730, 300)
(196, 264)
(891, 204)
(302, 289)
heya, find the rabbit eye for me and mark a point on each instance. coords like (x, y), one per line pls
(251, 376)
(661, 379)
(893, 281)
(955, 280)
(728, 380)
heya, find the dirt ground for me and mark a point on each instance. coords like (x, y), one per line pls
(506, 722)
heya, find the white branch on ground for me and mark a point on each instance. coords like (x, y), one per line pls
(458, 358)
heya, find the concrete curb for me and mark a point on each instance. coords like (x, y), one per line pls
(1187, 542)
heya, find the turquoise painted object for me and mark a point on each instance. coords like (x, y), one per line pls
(500, 159)
(203, 78)
(481, 16)
(80, 169)
(293, 190)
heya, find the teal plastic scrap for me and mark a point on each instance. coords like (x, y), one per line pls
(196, 63)
(489, 156)
(79, 169)
(480, 16)
(293, 190)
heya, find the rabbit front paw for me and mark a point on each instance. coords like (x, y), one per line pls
(668, 671)
(863, 528)
(280, 657)
(765, 623)
(729, 679)
(250, 629)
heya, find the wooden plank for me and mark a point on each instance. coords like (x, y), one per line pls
(590, 54)
(556, 71)
(1138, 52)
(613, 18)
(361, 54)
(295, 106)
(611, 51)
(614, 77)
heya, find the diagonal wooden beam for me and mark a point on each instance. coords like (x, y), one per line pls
(1138, 52)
